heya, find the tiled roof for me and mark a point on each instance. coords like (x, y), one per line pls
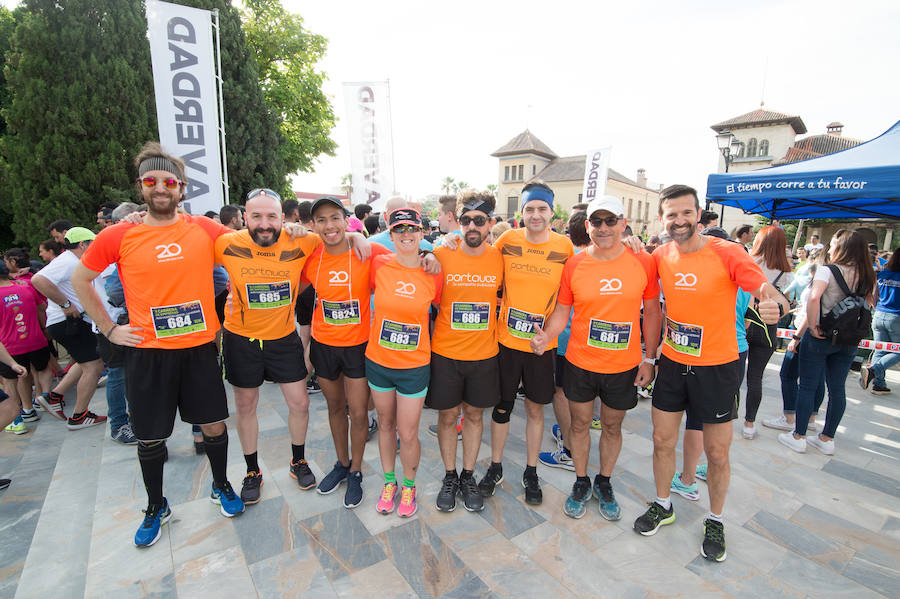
(817, 145)
(761, 117)
(571, 168)
(525, 143)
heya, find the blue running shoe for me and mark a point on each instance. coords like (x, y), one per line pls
(691, 491)
(575, 503)
(154, 517)
(230, 504)
(700, 472)
(557, 434)
(333, 479)
(557, 459)
(354, 494)
(609, 507)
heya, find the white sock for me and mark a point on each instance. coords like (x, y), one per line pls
(371, 417)
(666, 502)
(716, 517)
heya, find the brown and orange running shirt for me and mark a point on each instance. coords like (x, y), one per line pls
(466, 324)
(399, 336)
(607, 296)
(700, 290)
(531, 277)
(263, 282)
(342, 314)
(167, 276)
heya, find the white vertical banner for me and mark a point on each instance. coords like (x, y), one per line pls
(368, 111)
(596, 168)
(181, 51)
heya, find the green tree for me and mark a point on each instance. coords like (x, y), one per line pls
(286, 55)
(447, 184)
(80, 107)
(7, 28)
(347, 184)
(459, 186)
(491, 187)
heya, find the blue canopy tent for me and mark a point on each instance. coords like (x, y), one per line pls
(860, 182)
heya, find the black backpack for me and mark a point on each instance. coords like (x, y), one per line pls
(850, 320)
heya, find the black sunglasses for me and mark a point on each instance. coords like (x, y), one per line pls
(264, 190)
(406, 229)
(610, 221)
(478, 220)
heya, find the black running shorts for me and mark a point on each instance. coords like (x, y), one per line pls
(476, 382)
(330, 361)
(159, 382)
(76, 336)
(535, 373)
(38, 358)
(615, 390)
(250, 362)
(711, 392)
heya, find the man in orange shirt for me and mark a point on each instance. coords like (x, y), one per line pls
(260, 341)
(700, 368)
(607, 284)
(533, 261)
(171, 363)
(464, 346)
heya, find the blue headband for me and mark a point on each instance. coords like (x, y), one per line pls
(537, 193)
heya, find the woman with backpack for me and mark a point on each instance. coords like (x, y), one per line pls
(768, 253)
(837, 314)
(886, 326)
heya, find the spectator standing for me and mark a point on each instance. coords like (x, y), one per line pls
(886, 325)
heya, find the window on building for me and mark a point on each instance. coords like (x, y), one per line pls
(533, 170)
(741, 152)
(521, 172)
(512, 204)
(630, 206)
(764, 147)
(579, 198)
(751, 147)
(506, 173)
(647, 211)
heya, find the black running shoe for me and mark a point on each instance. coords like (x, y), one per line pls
(446, 497)
(656, 515)
(473, 500)
(250, 489)
(492, 478)
(4, 483)
(312, 385)
(305, 478)
(713, 547)
(533, 493)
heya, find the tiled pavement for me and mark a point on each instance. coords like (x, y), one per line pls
(796, 525)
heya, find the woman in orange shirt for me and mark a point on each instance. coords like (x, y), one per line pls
(398, 355)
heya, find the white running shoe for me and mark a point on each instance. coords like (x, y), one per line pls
(826, 447)
(798, 445)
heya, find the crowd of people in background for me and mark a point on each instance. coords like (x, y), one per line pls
(79, 305)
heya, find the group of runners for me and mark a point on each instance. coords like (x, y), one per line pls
(499, 309)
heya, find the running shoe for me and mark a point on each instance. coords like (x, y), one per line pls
(557, 434)
(17, 426)
(53, 404)
(691, 491)
(701, 470)
(749, 433)
(385, 504)
(353, 494)
(779, 423)
(656, 515)
(199, 447)
(473, 501)
(866, 376)
(713, 546)
(609, 507)
(433, 429)
(446, 497)
(86, 419)
(880, 390)
(408, 505)
(557, 459)
(798, 445)
(333, 479)
(4, 483)
(302, 474)
(35, 405)
(312, 385)
(574, 507)
(596, 424)
(230, 504)
(30, 415)
(826, 447)
(645, 392)
(492, 478)
(373, 428)
(250, 488)
(154, 517)
(533, 493)
(125, 435)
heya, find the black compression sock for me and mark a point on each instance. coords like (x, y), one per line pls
(152, 458)
(252, 460)
(217, 453)
(298, 452)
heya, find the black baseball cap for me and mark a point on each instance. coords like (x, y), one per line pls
(328, 201)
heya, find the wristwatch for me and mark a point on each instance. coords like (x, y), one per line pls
(651, 360)
(66, 305)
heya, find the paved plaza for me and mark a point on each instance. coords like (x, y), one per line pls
(796, 525)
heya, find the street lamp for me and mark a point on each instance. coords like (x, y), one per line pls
(730, 147)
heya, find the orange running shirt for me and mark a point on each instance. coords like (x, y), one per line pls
(342, 314)
(167, 276)
(403, 297)
(466, 325)
(262, 282)
(531, 275)
(700, 290)
(607, 297)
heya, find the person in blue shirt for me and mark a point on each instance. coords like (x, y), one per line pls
(886, 326)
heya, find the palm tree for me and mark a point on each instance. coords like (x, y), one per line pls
(447, 184)
(459, 186)
(347, 184)
(492, 188)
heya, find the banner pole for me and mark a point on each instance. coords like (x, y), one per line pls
(215, 14)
